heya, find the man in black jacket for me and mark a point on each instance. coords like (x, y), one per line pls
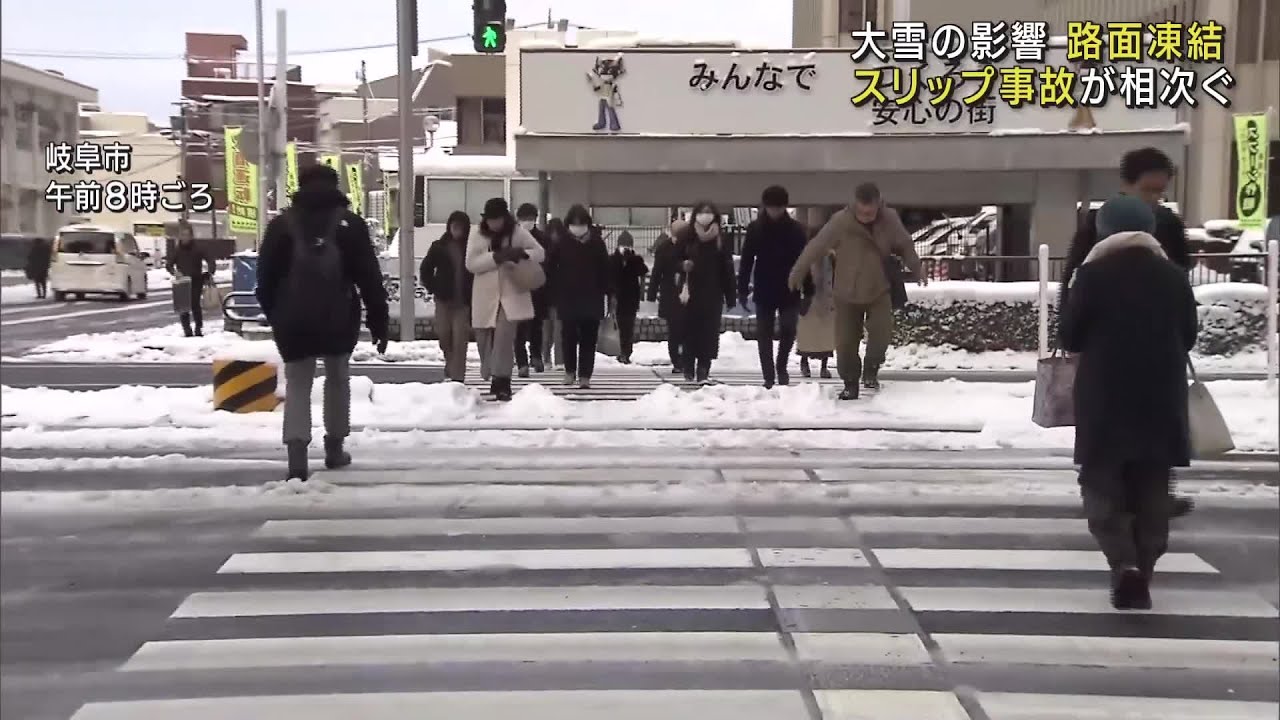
(191, 261)
(773, 244)
(529, 333)
(665, 283)
(445, 275)
(628, 270)
(1145, 174)
(316, 267)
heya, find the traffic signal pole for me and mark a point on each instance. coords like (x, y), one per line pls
(406, 47)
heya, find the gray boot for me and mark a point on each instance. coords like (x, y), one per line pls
(334, 455)
(297, 459)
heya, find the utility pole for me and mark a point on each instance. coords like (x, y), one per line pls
(183, 129)
(365, 166)
(281, 113)
(407, 48)
(260, 210)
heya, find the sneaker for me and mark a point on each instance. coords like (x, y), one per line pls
(523, 371)
(1129, 590)
(584, 383)
(570, 379)
(625, 360)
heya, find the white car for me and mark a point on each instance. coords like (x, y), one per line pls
(90, 259)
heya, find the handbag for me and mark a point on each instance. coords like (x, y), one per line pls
(1210, 435)
(211, 298)
(181, 289)
(1054, 404)
(528, 275)
(609, 341)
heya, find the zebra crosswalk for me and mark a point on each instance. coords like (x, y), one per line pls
(884, 616)
(627, 382)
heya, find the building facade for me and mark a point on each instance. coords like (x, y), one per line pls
(37, 108)
(155, 157)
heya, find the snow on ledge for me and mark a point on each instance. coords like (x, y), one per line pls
(263, 351)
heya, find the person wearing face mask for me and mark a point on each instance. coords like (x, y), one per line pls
(579, 270)
(863, 235)
(498, 303)
(707, 261)
(665, 283)
(773, 243)
(444, 274)
(628, 270)
(529, 336)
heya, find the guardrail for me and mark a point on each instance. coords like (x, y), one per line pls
(231, 310)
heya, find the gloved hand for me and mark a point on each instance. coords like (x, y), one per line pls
(795, 281)
(504, 255)
(687, 265)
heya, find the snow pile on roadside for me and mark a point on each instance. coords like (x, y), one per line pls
(450, 415)
(157, 279)
(166, 344)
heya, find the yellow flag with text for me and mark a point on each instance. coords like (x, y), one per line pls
(355, 187)
(333, 161)
(1252, 149)
(291, 168)
(242, 185)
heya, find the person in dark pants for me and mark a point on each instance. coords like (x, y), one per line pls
(1145, 173)
(1131, 317)
(578, 268)
(444, 274)
(665, 283)
(707, 260)
(529, 333)
(773, 244)
(39, 257)
(189, 260)
(628, 270)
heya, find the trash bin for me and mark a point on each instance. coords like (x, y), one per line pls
(244, 278)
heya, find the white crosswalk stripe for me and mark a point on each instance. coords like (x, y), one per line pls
(867, 617)
(628, 382)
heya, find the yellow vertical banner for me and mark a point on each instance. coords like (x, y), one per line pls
(242, 185)
(355, 187)
(333, 161)
(291, 168)
(1252, 150)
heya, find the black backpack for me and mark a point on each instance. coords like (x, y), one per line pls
(317, 295)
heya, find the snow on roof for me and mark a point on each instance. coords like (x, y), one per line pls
(442, 165)
(228, 98)
(540, 44)
(641, 41)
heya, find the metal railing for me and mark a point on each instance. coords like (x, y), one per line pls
(232, 309)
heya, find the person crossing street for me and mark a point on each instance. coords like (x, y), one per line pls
(773, 244)
(189, 260)
(628, 270)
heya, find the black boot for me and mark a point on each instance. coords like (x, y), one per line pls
(537, 364)
(334, 455)
(1182, 505)
(784, 378)
(804, 368)
(850, 392)
(494, 384)
(703, 372)
(503, 393)
(297, 452)
(871, 378)
(1129, 590)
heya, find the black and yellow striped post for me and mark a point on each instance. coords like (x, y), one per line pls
(245, 386)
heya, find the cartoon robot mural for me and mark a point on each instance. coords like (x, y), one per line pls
(604, 77)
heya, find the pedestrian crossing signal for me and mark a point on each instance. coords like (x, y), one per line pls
(490, 29)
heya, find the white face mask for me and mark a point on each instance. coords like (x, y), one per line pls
(579, 230)
(705, 219)
(528, 224)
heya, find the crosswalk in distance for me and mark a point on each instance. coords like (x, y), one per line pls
(896, 613)
(628, 382)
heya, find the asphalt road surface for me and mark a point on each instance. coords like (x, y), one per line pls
(707, 608)
(26, 325)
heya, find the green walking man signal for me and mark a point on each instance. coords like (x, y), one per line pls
(490, 26)
(490, 37)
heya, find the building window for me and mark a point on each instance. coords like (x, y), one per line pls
(524, 191)
(24, 125)
(854, 14)
(493, 121)
(630, 216)
(447, 195)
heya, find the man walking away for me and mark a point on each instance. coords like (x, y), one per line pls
(579, 269)
(863, 235)
(39, 257)
(1145, 173)
(444, 274)
(529, 337)
(772, 246)
(191, 261)
(628, 270)
(1132, 318)
(665, 283)
(316, 267)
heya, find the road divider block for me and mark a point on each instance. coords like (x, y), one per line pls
(245, 386)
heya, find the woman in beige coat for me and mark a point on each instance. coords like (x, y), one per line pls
(498, 305)
(816, 331)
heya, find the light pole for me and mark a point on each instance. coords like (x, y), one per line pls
(406, 47)
(262, 127)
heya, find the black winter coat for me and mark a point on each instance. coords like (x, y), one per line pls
(711, 282)
(663, 281)
(1132, 317)
(438, 272)
(770, 250)
(39, 257)
(579, 272)
(191, 260)
(542, 295)
(359, 260)
(628, 271)
(1171, 233)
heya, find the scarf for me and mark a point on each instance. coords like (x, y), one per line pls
(709, 232)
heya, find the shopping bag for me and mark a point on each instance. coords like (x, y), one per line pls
(1210, 435)
(528, 275)
(181, 295)
(211, 298)
(1054, 403)
(609, 342)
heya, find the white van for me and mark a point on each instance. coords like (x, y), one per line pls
(91, 259)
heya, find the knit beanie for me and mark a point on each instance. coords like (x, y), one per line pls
(1124, 213)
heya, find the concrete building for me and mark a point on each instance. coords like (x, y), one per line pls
(37, 108)
(1207, 185)
(155, 157)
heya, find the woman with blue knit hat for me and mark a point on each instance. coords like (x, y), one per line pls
(1131, 316)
